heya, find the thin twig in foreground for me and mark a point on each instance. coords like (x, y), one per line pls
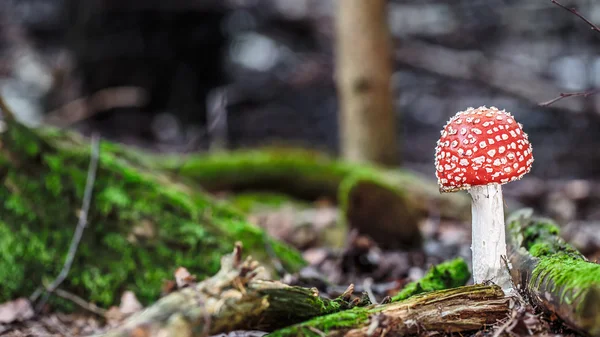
(81, 224)
(576, 13)
(91, 307)
(570, 94)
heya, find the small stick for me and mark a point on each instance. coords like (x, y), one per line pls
(81, 224)
(570, 94)
(368, 282)
(576, 13)
(91, 307)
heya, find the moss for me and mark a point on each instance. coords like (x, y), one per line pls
(304, 174)
(450, 274)
(142, 225)
(570, 275)
(561, 274)
(342, 320)
(255, 201)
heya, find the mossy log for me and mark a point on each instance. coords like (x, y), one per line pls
(554, 274)
(460, 309)
(234, 300)
(386, 204)
(142, 224)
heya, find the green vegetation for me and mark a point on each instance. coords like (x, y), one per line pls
(446, 275)
(557, 273)
(306, 174)
(141, 227)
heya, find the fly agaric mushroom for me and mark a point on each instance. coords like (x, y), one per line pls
(478, 151)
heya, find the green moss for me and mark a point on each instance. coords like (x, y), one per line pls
(560, 272)
(450, 274)
(572, 276)
(341, 320)
(141, 226)
(255, 201)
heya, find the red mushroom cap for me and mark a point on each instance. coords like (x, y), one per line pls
(479, 147)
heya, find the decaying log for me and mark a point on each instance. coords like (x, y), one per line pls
(230, 300)
(142, 225)
(234, 300)
(460, 309)
(553, 274)
(393, 201)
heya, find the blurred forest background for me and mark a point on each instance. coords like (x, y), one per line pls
(195, 76)
(187, 75)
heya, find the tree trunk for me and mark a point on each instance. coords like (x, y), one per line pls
(554, 275)
(368, 124)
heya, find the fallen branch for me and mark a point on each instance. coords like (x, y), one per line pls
(233, 299)
(553, 274)
(230, 300)
(460, 309)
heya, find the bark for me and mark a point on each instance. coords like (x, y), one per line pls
(234, 300)
(142, 224)
(368, 123)
(460, 309)
(553, 274)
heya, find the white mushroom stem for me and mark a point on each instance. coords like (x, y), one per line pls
(489, 238)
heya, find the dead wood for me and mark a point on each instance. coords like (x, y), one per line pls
(234, 300)
(553, 274)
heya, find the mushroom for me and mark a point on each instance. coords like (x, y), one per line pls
(478, 151)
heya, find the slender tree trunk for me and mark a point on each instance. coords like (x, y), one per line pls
(367, 120)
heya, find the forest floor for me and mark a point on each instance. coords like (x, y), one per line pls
(360, 261)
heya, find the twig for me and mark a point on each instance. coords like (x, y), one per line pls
(81, 224)
(91, 307)
(570, 94)
(367, 283)
(576, 13)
